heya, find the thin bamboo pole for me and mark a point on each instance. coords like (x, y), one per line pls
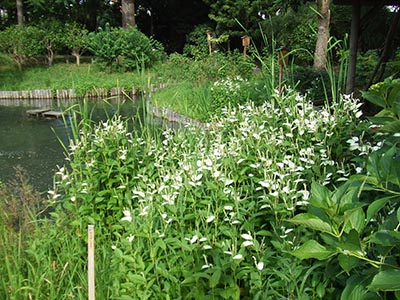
(91, 280)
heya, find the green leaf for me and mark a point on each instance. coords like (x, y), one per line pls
(375, 99)
(214, 279)
(355, 289)
(311, 221)
(398, 214)
(352, 242)
(387, 280)
(386, 238)
(137, 279)
(376, 206)
(230, 292)
(356, 220)
(320, 196)
(391, 127)
(128, 258)
(313, 249)
(348, 262)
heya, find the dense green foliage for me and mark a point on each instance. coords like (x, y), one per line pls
(21, 43)
(274, 198)
(198, 213)
(359, 221)
(119, 48)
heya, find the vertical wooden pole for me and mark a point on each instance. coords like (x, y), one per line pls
(91, 284)
(209, 42)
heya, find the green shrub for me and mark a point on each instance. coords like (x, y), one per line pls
(358, 221)
(196, 42)
(120, 49)
(21, 43)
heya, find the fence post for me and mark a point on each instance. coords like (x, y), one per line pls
(91, 280)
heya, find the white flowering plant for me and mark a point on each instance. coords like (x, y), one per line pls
(195, 213)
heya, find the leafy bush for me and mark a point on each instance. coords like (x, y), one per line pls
(228, 91)
(196, 42)
(118, 48)
(21, 43)
(358, 222)
(76, 39)
(314, 84)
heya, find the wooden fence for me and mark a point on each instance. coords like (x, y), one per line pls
(66, 94)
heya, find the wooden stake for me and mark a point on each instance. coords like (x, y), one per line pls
(91, 285)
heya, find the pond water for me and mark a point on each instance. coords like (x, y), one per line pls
(34, 143)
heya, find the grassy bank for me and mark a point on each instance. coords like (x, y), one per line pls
(66, 76)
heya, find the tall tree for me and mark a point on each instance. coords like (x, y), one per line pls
(321, 46)
(20, 12)
(128, 13)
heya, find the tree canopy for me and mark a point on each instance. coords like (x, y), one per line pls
(291, 23)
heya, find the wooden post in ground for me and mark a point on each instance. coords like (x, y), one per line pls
(245, 43)
(209, 41)
(283, 60)
(91, 280)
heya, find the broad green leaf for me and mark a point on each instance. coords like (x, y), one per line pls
(373, 165)
(376, 206)
(351, 243)
(387, 280)
(356, 220)
(375, 99)
(137, 279)
(312, 222)
(388, 166)
(355, 289)
(386, 238)
(160, 244)
(381, 119)
(214, 279)
(230, 293)
(128, 258)
(398, 214)
(344, 194)
(393, 97)
(348, 262)
(313, 249)
(320, 196)
(391, 127)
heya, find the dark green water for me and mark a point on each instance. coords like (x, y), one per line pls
(33, 143)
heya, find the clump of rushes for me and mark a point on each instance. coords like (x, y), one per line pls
(200, 213)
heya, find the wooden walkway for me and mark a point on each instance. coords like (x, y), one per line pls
(44, 112)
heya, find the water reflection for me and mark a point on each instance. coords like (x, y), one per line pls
(33, 143)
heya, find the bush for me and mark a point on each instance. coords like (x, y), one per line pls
(314, 84)
(120, 49)
(21, 43)
(358, 221)
(196, 42)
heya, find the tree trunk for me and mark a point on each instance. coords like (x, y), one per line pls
(387, 49)
(20, 12)
(353, 47)
(77, 54)
(128, 13)
(321, 46)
